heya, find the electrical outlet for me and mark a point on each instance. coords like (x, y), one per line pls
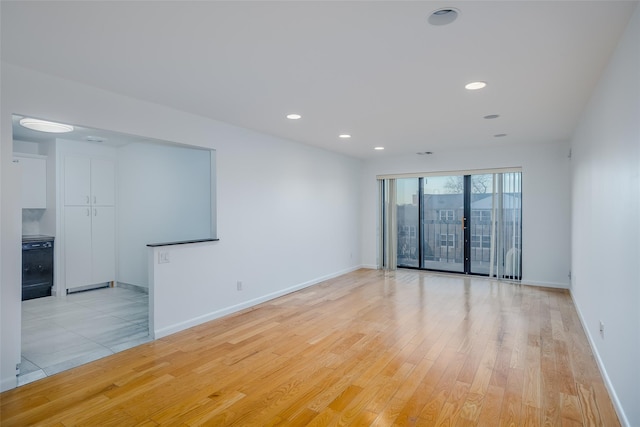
(163, 257)
(239, 285)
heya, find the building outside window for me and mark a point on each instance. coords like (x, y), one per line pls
(447, 215)
(481, 215)
(448, 240)
(480, 241)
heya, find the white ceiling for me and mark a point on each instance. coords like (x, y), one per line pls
(374, 69)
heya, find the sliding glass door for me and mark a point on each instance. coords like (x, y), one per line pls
(442, 216)
(460, 223)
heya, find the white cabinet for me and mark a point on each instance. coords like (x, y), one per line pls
(77, 181)
(89, 221)
(103, 250)
(77, 246)
(34, 181)
(103, 182)
(88, 181)
(90, 251)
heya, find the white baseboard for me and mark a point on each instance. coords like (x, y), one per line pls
(607, 381)
(546, 284)
(172, 329)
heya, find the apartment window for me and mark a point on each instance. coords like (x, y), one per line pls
(481, 215)
(447, 215)
(448, 240)
(480, 241)
(407, 231)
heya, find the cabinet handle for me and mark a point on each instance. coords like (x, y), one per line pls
(87, 199)
(88, 212)
(95, 212)
(95, 200)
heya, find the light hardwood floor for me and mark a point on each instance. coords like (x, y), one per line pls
(366, 348)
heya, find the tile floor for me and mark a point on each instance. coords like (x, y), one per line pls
(59, 333)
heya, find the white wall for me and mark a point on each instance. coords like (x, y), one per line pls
(606, 234)
(288, 217)
(545, 201)
(10, 255)
(288, 214)
(164, 195)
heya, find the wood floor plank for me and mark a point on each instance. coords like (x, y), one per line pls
(412, 408)
(589, 406)
(570, 408)
(491, 407)
(453, 406)
(512, 406)
(403, 348)
(444, 388)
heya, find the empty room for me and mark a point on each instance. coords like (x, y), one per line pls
(320, 213)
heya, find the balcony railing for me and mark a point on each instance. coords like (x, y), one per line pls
(443, 243)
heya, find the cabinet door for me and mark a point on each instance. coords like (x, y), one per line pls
(77, 246)
(103, 244)
(77, 181)
(34, 182)
(102, 182)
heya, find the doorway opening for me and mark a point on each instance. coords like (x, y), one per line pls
(100, 197)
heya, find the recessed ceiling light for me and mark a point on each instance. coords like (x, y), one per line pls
(294, 116)
(475, 85)
(492, 116)
(500, 135)
(344, 136)
(443, 16)
(45, 126)
(423, 153)
(378, 148)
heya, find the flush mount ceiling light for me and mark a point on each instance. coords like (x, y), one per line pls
(294, 116)
(499, 135)
(425, 153)
(45, 126)
(378, 148)
(344, 136)
(475, 85)
(492, 116)
(443, 16)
